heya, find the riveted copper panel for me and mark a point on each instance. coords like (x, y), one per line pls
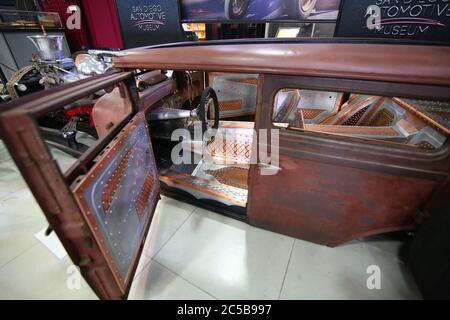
(231, 146)
(118, 197)
(145, 194)
(112, 185)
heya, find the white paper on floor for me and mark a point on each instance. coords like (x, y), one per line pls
(52, 243)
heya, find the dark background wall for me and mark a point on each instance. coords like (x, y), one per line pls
(18, 4)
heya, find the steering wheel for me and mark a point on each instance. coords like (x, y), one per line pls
(208, 96)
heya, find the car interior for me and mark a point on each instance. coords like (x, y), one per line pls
(213, 171)
(216, 170)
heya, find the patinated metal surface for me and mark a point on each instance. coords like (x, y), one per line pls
(333, 189)
(332, 204)
(377, 62)
(330, 189)
(19, 131)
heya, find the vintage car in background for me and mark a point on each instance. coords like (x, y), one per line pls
(260, 10)
(360, 130)
(257, 10)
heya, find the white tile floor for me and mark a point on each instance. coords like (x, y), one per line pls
(195, 254)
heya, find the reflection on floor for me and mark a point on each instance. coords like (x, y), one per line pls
(196, 254)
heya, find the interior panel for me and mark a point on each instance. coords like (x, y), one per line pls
(219, 169)
(416, 123)
(236, 93)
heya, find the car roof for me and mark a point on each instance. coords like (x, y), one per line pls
(401, 62)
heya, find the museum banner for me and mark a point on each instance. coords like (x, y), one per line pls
(426, 20)
(259, 10)
(149, 22)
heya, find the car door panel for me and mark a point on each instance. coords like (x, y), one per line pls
(73, 210)
(118, 196)
(333, 189)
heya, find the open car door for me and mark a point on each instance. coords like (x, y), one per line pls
(102, 208)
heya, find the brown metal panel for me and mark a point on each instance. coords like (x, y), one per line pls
(45, 180)
(382, 62)
(333, 189)
(21, 135)
(332, 204)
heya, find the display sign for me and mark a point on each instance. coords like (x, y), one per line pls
(258, 10)
(149, 22)
(427, 20)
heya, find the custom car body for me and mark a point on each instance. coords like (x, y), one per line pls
(360, 130)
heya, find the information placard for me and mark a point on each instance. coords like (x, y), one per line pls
(149, 22)
(426, 20)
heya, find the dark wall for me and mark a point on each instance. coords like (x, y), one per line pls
(18, 4)
(217, 31)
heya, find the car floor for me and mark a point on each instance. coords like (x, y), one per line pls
(191, 253)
